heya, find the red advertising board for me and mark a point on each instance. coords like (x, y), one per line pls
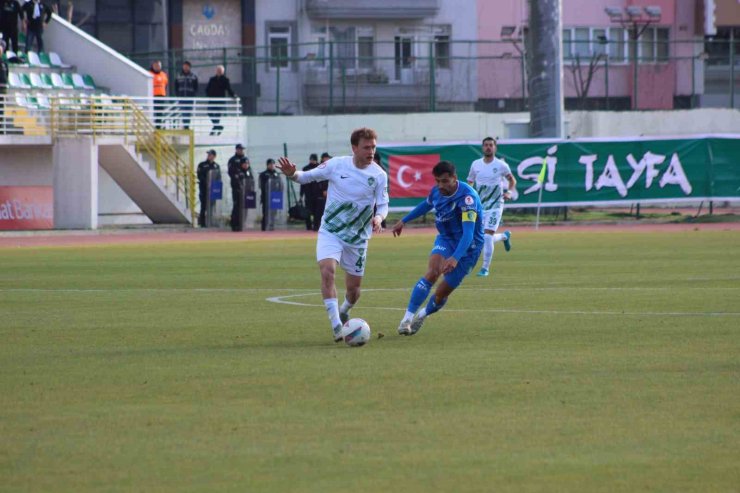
(26, 208)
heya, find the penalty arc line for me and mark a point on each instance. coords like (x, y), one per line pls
(283, 300)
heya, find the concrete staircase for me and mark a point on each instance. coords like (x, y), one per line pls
(135, 176)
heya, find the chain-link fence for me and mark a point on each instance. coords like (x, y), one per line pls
(404, 75)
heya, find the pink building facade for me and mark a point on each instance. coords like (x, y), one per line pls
(669, 64)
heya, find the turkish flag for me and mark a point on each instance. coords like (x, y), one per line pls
(411, 176)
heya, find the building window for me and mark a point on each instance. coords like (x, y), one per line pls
(365, 48)
(617, 44)
(278, 40)
(646, 44)
(442, 50)
(567, 44)
(654, 45)
(582, 40)
(598, 41)
(318, 50)
(662, 44)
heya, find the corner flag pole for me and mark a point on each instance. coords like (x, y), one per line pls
(541, 181)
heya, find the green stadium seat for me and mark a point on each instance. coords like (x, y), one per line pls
(89, 81)
(17, 82)
(47, 79)
(37, 82)
(26, 80)
(45, 61)
(33, 59)
(59, 83)
(79, 83)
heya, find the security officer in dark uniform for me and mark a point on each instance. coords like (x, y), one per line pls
(240, 173)
(204, 168)
(308, 191)
(269, 175)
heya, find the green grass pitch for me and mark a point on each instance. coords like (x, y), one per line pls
(604, 361)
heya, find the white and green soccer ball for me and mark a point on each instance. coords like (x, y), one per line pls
(356, 332)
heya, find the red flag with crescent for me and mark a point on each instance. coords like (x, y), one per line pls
(411, 176)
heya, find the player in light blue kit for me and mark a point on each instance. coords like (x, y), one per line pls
(459, 221)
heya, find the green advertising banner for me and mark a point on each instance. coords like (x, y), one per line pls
(583, 172)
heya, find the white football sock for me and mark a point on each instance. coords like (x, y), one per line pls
(487, 250)
(332, 310)
(499, 237)
(346, 306)
(422, 313)
(409, 315)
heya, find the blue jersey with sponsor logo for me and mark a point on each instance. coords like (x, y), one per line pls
(449, 211)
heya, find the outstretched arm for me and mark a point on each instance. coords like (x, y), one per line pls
(418, 211)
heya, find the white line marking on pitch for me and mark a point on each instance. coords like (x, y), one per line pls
(258, 290)
(282, 300)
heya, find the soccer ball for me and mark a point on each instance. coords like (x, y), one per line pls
(356, 332)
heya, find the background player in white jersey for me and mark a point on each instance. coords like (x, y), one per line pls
(486, 176)
(356, 186)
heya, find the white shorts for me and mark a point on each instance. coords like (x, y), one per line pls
(492, 218)
(351, 258)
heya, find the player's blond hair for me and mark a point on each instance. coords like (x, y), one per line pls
(362, 133)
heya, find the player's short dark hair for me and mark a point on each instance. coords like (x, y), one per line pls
(443, 167)
(362, 133)
(270, 161)
(313, 157)
(495, 142)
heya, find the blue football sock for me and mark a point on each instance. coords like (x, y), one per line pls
(419, 294)
(433, 306)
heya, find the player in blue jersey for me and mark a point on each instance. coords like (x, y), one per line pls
(459, 221)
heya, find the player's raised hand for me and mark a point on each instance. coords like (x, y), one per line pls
(286, 166)
(397, 228)
(449, 265)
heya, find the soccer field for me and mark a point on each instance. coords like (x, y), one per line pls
(588, 361)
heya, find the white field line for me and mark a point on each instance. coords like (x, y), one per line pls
(283, 300)
(553, 287)
(302, 292)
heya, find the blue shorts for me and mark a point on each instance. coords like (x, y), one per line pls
(446, 248)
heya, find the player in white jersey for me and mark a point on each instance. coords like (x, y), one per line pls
(486, 176)
(357, 186)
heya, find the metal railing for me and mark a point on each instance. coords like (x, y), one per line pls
(154, 126)
(204, 116)
(442, 75)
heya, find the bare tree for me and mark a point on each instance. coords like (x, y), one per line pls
(583, 84)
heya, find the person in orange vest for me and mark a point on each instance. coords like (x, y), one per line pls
(160, 90)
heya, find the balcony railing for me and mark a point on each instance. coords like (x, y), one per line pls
(377, 9)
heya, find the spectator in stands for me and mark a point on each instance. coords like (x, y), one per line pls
(218, 86)
(240, 174)
(204, 169)
(186, 86)
(269, 182)
(3, 90)
(37, 15)
(10, 14)
(159, 84)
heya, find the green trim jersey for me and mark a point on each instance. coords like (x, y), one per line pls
(353, 193)
(488, 179)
